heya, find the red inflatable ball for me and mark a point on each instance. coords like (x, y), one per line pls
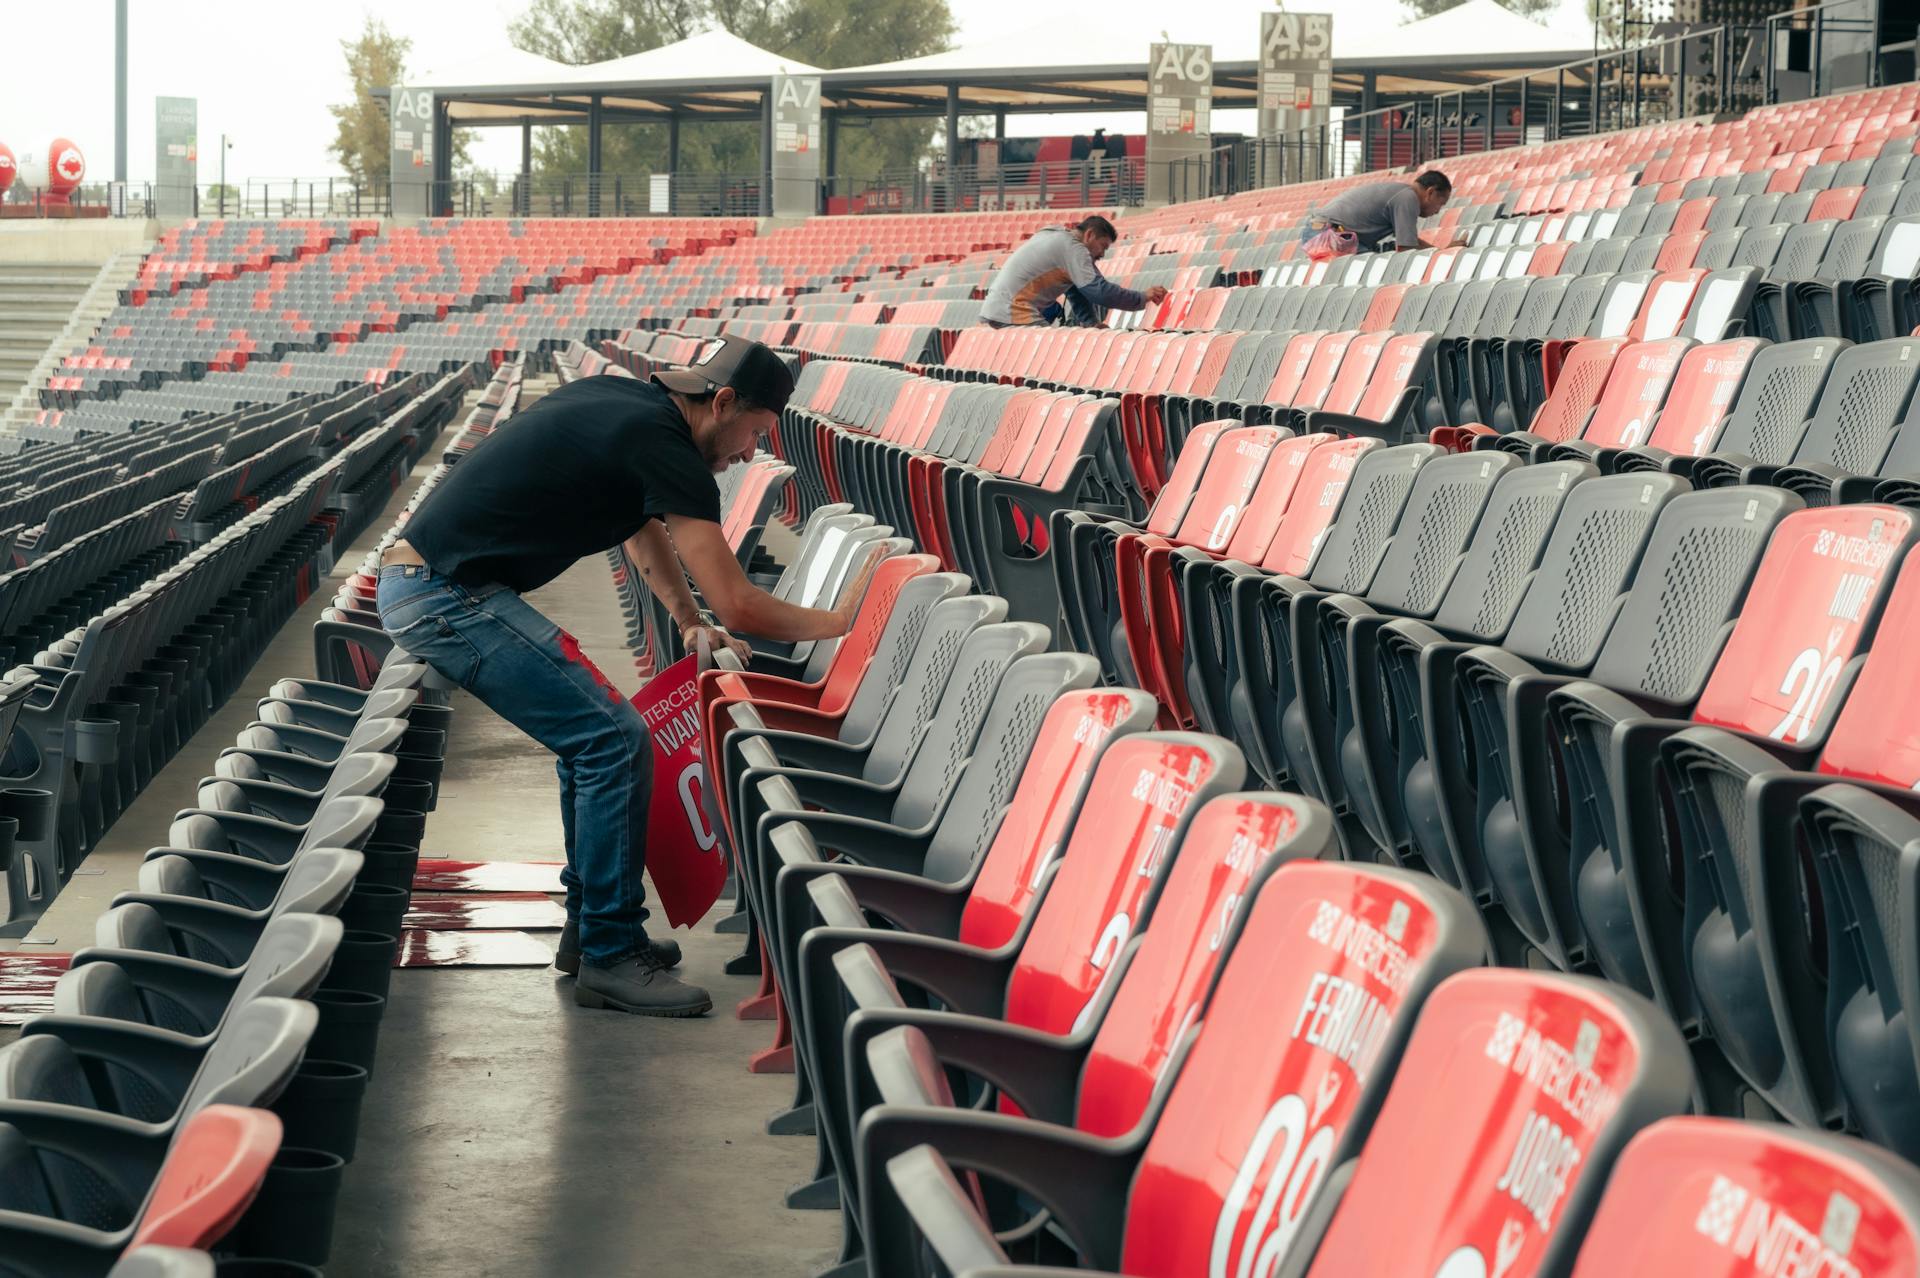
(9, 168)
(65, 167)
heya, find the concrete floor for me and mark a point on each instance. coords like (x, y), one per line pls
(507, 1132)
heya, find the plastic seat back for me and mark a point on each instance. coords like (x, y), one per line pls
(907, 706)
(1583, 379)
(1449, 496)
(1272, 496)
(1124, 842)
(1009, 700)
(1812, 610)
(1546, 1078)
(1867, 852)
(1863, 402)
(1238, 460)
(1027, 835)
(1318, 496)
(214, 1168)
(257, 1051)
(1635, 390)
(1783, 384)
(911, 617)
(1704, 386)
(1170, 506)
(1232, 845)
(1716, 1198)
(1589, 563)
(1296, 358)
(983, 660)
(1877, 734)
(1705, 551)
(1369, 511)
(1492, 577)
(1298, 1042)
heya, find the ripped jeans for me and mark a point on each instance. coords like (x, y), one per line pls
(531, 673)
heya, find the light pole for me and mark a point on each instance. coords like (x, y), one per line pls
(225, 146)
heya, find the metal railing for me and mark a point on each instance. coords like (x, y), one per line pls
(938, 188)
(1710, 70)
(1825, 48)
(271, 198)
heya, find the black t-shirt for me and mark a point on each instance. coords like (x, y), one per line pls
(578, 473)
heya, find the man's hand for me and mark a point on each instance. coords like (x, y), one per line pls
(854, 592)
(717, 640)
(1156, 295)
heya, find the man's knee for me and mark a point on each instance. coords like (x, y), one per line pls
(622, 746)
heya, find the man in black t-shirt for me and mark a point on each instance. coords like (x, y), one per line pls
(598, 463)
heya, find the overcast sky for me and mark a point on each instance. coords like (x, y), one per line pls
(264, 71)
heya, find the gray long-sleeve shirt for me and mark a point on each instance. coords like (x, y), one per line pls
(1373, 210)
(1040, 271)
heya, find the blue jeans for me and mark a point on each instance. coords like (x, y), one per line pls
(531, 673)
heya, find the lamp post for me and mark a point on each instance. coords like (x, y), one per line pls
(225, 146)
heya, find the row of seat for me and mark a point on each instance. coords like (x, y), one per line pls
(1093, 912)
(135, 1128)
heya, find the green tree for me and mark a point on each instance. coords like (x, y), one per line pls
(822, 33)
(1417, 9)
(362, 141)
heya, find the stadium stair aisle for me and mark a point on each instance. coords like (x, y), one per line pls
(512, 1133)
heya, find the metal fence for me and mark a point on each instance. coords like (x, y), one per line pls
(1707, 71)
(1718, 70)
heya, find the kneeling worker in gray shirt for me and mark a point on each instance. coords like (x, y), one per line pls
(1378, 209)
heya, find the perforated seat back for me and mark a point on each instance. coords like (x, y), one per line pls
(1596, 548)
(1716, 1198)
(1009, 812)
(1808, 618)
(1493, 575)
(1369, 512)
(1546, 1077)
(43, 1069)
(898, 645)
(1123, 844)
(906, 705)
(1238, 459)
(1316, 501)
(1850, 253)
(953, 717)
(1705, 551)
(1299, 1041)
(1583, 379)
(1783, 384)
(1011, 705)
(1449, 496)
(1704, 387)
(1862, 403)
(1543, 301)
(1801, 251)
